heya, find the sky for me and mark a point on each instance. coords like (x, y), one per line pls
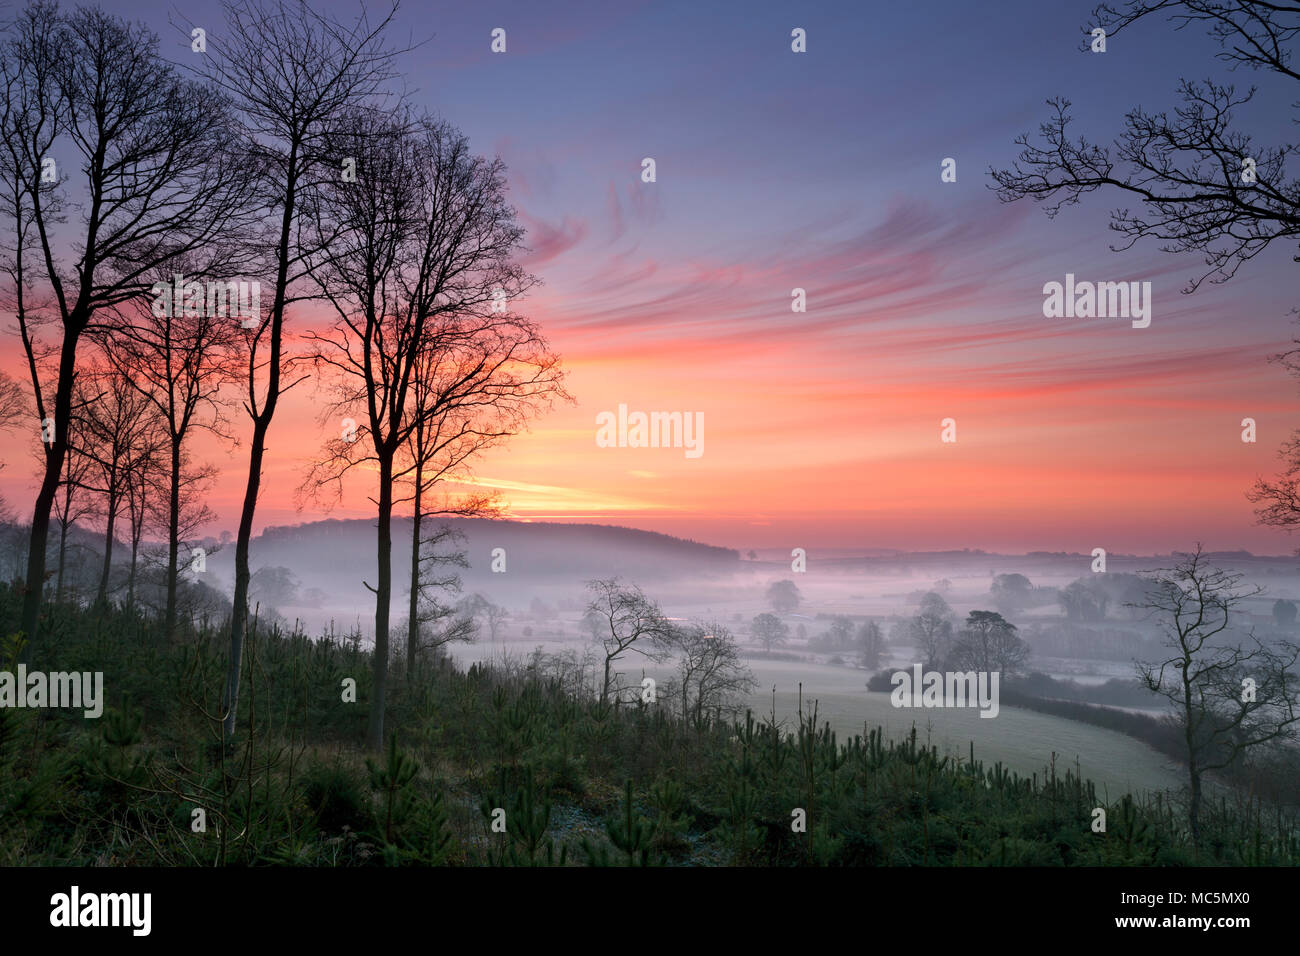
(821, 170)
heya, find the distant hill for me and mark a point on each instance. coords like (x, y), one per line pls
(336, 555)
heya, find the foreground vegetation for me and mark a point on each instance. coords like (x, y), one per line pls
(580, 782)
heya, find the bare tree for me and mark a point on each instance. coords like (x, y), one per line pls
(73, 501)
(447, 433)
(14, 409)
(157, 176)
(291, 72)
(496, 615)
(1229, 696)
(1200, 184)
(710, 673)
(1279, 498)
(14, 412)
(629, 622)
(146, 471)
(476, 607)
(424, 249)
(177, 353)
(769, 630)
(435, 622)
(931, 630)
(110, 428)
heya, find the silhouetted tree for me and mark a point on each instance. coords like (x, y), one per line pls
(629, 622)
(168, 589)
(113, 427)
(146, 477)
(74, 500)
(14, 408)
(451, 425)
(154, 163)
(178, 356)
(988, 642)
(1279, 498)
(423, 250)
(14, 413)
(1228, 698)
(711, 676)
(1185, 172)
(292, 73)
(475, 608)
(435, 621)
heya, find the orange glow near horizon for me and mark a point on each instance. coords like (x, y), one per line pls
(822, 429)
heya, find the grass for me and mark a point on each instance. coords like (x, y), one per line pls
(1022, 740)
(580, 783)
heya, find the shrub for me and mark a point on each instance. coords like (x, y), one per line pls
(336, 797)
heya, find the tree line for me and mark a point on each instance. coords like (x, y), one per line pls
(282, 155)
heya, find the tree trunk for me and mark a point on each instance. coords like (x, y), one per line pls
(413, 622)
(40, 532)
(130, 580)
(383, 591)
(37, 542)
(1194, 773)
(262, 422)
(63, 552)
(63, 529)
(173, 542)
(101, 596)
(239, 614)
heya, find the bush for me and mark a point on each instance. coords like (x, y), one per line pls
(336, 797)
(881, 681)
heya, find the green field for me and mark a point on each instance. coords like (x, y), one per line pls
(1023, 740)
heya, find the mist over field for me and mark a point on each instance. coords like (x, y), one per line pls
(542, 591)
